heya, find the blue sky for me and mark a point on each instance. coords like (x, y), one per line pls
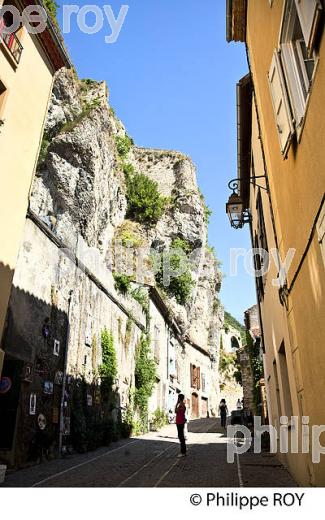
(171, 77)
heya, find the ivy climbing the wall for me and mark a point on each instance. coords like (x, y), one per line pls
(108, 368)
(145, 379)
(257, 367)
(176, 261)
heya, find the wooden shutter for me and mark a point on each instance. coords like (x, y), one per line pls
(309, 12)
(192, 375)
(281, 105)
(198, 378)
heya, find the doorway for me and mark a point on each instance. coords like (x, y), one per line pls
(195, 406)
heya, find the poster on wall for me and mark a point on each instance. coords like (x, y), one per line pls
(56, 347)
(32, 404)
(58, 380)
(27, 373)
(41, 421)
(48, 387)
(55, 415)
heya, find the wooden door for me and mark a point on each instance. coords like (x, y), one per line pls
(195, 406)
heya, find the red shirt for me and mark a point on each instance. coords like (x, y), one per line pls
(180, 414)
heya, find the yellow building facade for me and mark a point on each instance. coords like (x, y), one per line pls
(281, 167)
(27, 66)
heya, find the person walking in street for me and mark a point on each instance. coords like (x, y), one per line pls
(180, 410)
(223, 411)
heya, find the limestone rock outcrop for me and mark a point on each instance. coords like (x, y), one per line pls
(80, 189)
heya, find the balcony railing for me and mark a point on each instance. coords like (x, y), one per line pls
(12, 43)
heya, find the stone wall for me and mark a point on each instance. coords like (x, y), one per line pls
(247, 378)
(65, 269)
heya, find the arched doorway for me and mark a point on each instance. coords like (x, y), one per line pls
(234, 343)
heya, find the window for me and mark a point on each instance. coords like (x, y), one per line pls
(298, 64)
(278, 412)
(292, 67)
(281, 105)
(203, 382)
(3, 91)
(10, 39)
(262, 238)
(195, 377)
(286, 394)
(320, 227)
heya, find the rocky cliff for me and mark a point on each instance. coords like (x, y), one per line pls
(80, 190)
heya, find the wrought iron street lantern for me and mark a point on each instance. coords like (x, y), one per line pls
(235, 211)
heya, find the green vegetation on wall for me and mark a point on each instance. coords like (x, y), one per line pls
(176, 260)
(145, 379)
(123, 145)
(257, 367)
(230, 321)
(122, 283)
(159, 419)
(108, 368)
(206, 209)
(51, 7)
(145, 204)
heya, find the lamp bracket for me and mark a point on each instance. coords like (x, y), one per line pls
(235, 183)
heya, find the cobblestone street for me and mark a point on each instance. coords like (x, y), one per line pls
(151, 461)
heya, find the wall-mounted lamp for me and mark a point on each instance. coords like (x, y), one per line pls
(236, 211)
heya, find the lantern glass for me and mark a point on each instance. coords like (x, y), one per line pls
(235, 210)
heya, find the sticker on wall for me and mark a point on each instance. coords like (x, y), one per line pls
(55, 415)
(58, 380)
(32, 404)
(88, 332)
(41, 421)
(5, 385)
(89, 400)
(97, 395)
(56, 348)
(48, 387)
(27, 373)
(39, 367)
(46, 328)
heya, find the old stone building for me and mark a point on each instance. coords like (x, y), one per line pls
(79, 246)
(231, 337)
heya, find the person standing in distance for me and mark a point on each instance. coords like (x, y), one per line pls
(223, 411)
(180, 410)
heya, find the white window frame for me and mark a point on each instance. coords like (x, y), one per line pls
(298, 85)
(309, 13)
(281, 104)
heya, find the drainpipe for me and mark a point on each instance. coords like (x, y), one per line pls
(65, 375)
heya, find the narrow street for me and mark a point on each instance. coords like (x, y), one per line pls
(151, 461)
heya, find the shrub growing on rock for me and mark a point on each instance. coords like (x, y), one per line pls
(145, 204)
